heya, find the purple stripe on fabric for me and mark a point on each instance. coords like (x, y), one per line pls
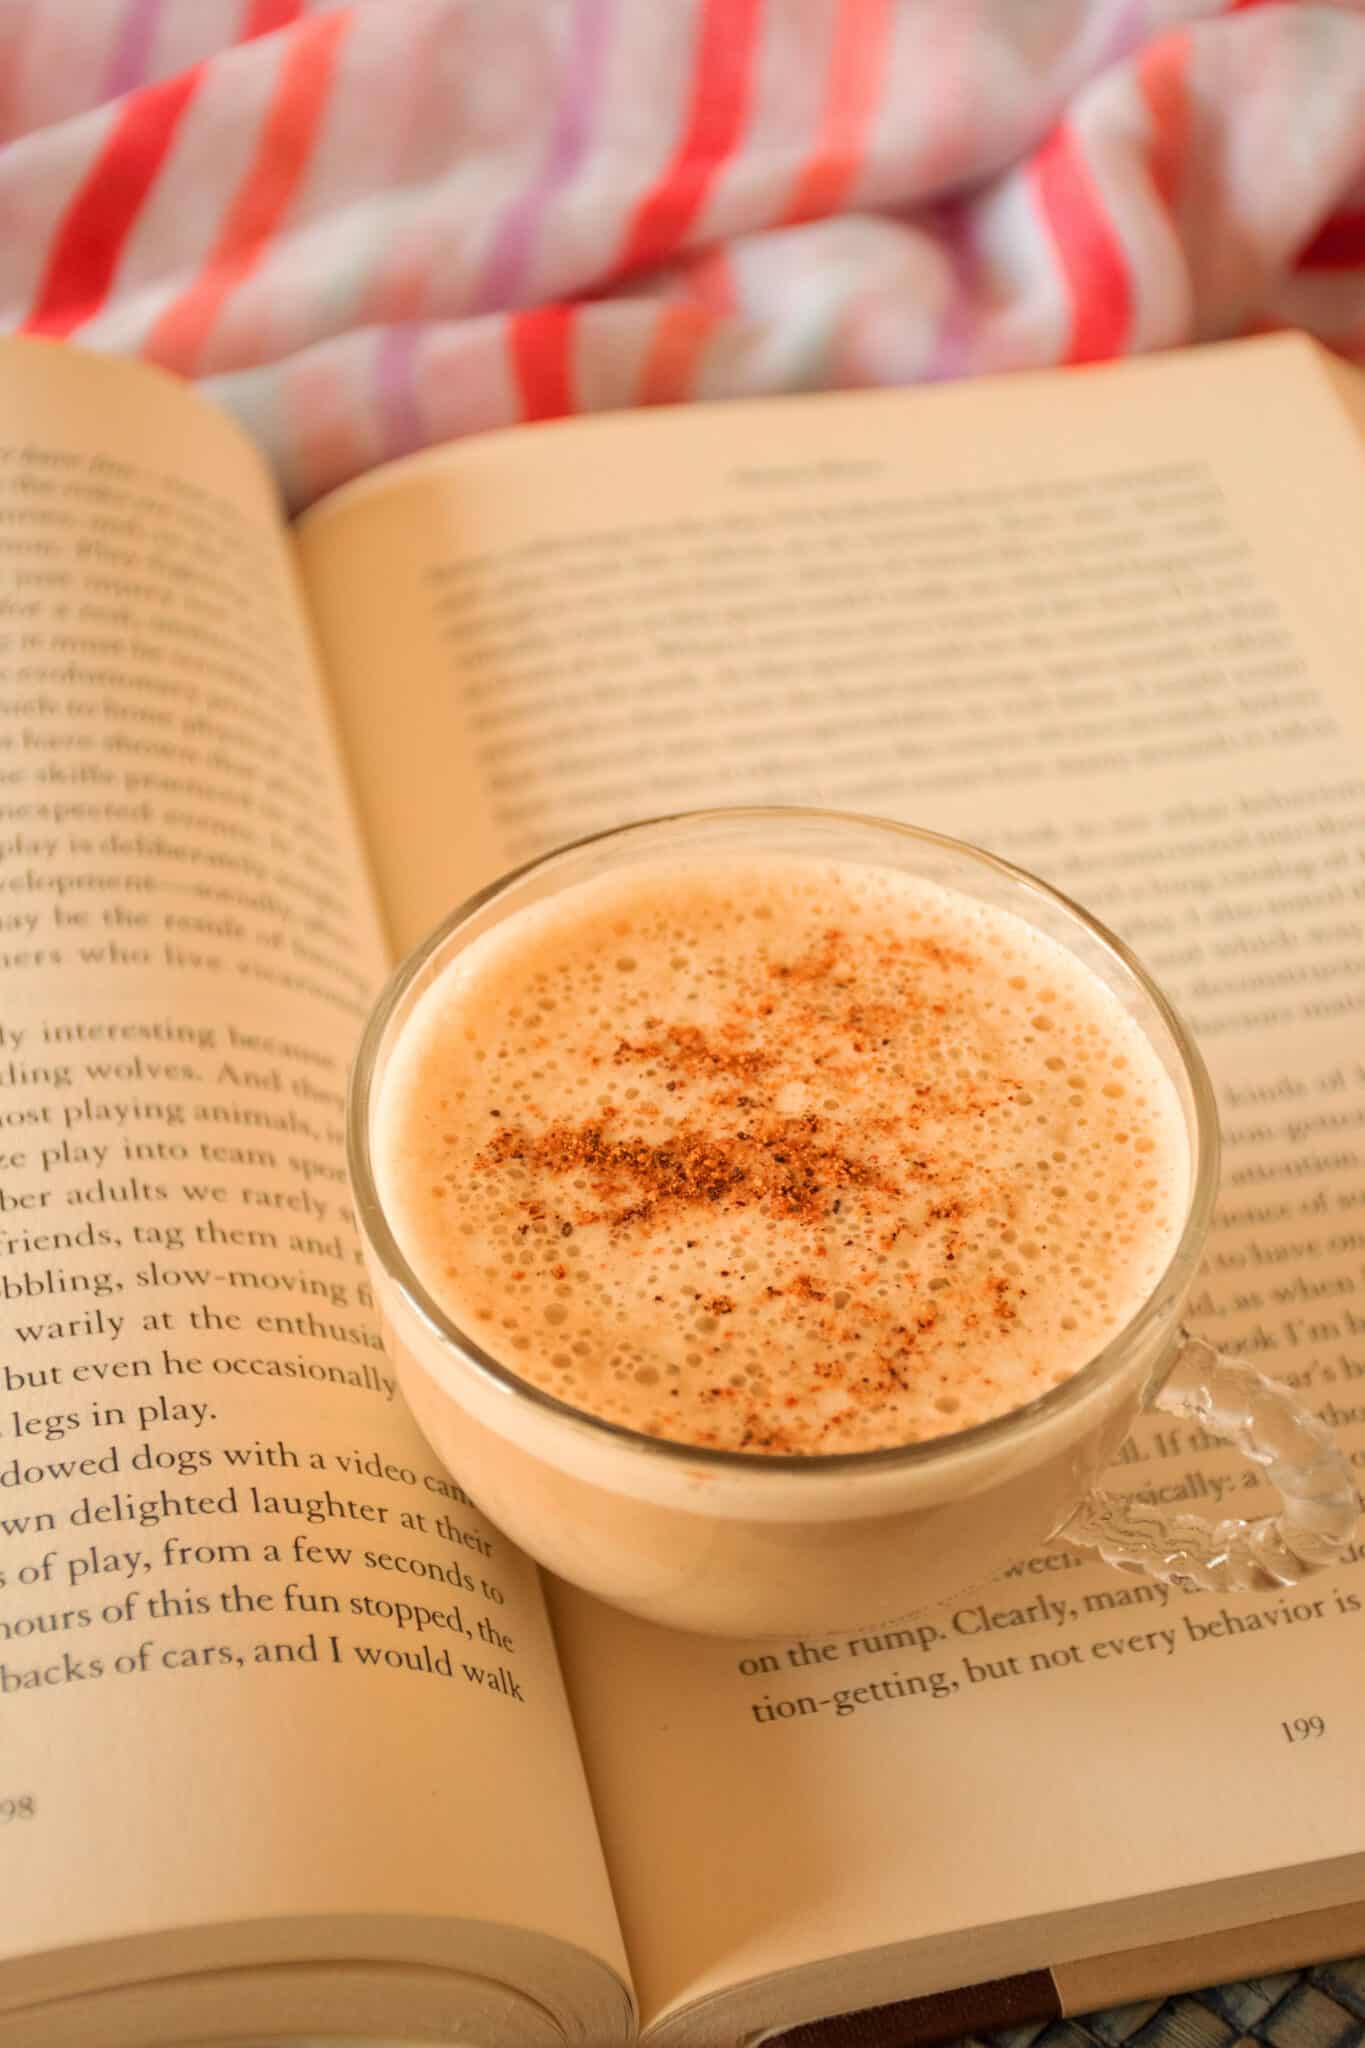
(1131, 28)
(507, 265)
(132, 53)
(395, 394)
(949, 356)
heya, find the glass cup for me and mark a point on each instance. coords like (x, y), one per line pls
(733, 1543)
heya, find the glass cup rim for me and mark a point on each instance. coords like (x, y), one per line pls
(500, 1378)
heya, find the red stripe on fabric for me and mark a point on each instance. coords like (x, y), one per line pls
(680, 337)
(259, 204)
(263, 17)
(722, 81)
(540, 342)
(97, 223)
(1339, 244)
(857, 67)
(1088, 251)
(1161, 79)
(710, 279)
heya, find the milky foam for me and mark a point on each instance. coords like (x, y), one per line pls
(780, 1156)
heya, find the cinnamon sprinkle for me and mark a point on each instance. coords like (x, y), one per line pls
(684, 1049)
(781, 1164)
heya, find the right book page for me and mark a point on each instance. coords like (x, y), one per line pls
(1109, 624)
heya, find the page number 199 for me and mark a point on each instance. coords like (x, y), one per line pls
(1304, 1728)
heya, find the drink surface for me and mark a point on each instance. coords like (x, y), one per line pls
(780, 1156)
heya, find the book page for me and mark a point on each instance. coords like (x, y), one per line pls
(1109, 625)
(270, 1689)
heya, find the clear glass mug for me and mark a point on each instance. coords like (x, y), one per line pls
(731, 1543)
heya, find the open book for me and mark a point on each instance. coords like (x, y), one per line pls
(289, 1742)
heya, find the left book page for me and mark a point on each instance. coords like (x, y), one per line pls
(271, 1692)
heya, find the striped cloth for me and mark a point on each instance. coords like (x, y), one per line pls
(368, 228)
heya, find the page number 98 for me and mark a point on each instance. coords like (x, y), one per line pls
(20, 1807)
(1303, 1728)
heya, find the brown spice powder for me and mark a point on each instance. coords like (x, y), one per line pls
(782, 1164)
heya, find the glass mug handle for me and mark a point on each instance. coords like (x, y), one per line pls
(1318, 1503)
